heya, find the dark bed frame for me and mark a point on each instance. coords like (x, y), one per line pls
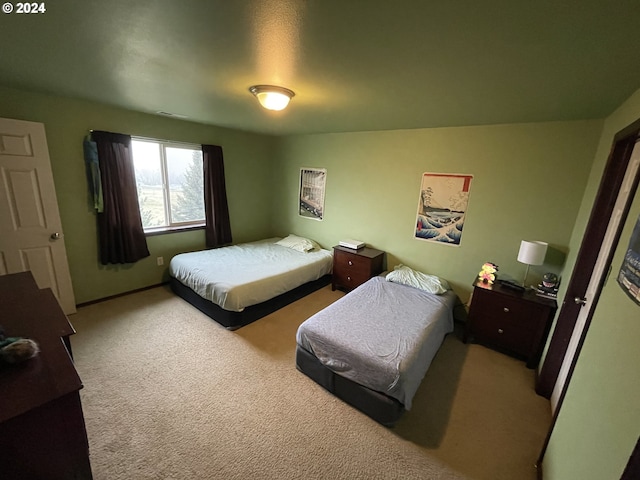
(382, 408)
(234, 320)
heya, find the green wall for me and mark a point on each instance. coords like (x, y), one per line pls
(248, 178)
(531, 181)
(528, 184)
(598, 424)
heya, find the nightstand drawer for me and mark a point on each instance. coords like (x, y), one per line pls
(350, 280)
(504, 332)
(507, 310)
(351, 268)
(350, 263)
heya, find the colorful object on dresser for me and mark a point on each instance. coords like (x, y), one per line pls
(16, 349)
(488, 273)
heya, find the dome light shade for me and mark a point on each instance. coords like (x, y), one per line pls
(271, 97)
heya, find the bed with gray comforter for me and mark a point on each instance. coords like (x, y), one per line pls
(374, 346)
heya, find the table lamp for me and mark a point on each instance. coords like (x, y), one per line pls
(531, 253)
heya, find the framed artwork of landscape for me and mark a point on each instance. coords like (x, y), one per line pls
(442, 207)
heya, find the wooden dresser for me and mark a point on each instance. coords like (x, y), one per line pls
(42, 430)
(352, 268)
(511, 321)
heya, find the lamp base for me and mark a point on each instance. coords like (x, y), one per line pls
(524, 280)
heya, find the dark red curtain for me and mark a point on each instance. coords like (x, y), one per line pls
(216, 208)
(122, 238)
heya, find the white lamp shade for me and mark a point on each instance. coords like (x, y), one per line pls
(532, 253)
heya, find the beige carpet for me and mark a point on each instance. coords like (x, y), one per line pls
(170, 394)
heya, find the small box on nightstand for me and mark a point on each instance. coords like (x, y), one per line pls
(350, 243)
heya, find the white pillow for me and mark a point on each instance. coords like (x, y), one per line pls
(407, 276)
(300, 244)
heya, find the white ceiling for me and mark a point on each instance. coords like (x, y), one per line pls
(354, 64)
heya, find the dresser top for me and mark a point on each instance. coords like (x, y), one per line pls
(529, 295)
(30, 312)
(365, 251)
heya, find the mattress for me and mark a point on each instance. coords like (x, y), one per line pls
(247, 274)
(382, 335)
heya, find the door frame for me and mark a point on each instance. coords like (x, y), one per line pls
(610, 183)
(632, 470)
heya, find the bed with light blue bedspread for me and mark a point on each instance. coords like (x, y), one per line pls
(382, 335)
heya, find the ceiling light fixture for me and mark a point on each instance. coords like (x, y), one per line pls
(272, 97)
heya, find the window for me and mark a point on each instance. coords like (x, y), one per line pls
(169, 179)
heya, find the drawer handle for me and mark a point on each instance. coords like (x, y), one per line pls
(506, 310)
(500, 331)
(350, 262)
(349, 278)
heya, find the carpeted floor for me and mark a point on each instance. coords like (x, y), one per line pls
(170, 394)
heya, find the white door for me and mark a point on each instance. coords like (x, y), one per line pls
(599, 270)
(31, 235)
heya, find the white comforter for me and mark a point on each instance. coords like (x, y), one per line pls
(242, 275)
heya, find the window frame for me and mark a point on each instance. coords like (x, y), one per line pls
(171, 226)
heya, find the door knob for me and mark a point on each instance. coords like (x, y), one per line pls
(55, 236)
(580, 301)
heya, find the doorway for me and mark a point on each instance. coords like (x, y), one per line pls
(590, 254)
(600, 273)
(32, 237)
(604, 204)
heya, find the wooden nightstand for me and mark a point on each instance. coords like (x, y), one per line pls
(511, 321)
(352, 268)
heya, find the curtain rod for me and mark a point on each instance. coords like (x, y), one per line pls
(151, 139)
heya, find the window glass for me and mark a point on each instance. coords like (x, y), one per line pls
(184, 170)
(170, 184)
(148, 168)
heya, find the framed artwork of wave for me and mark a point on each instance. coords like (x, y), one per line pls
(442, 207)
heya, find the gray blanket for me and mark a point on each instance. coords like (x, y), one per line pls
(381, 335)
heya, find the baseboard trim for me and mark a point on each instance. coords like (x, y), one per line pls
(111, 297)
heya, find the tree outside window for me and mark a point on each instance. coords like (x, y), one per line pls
(170, 184)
